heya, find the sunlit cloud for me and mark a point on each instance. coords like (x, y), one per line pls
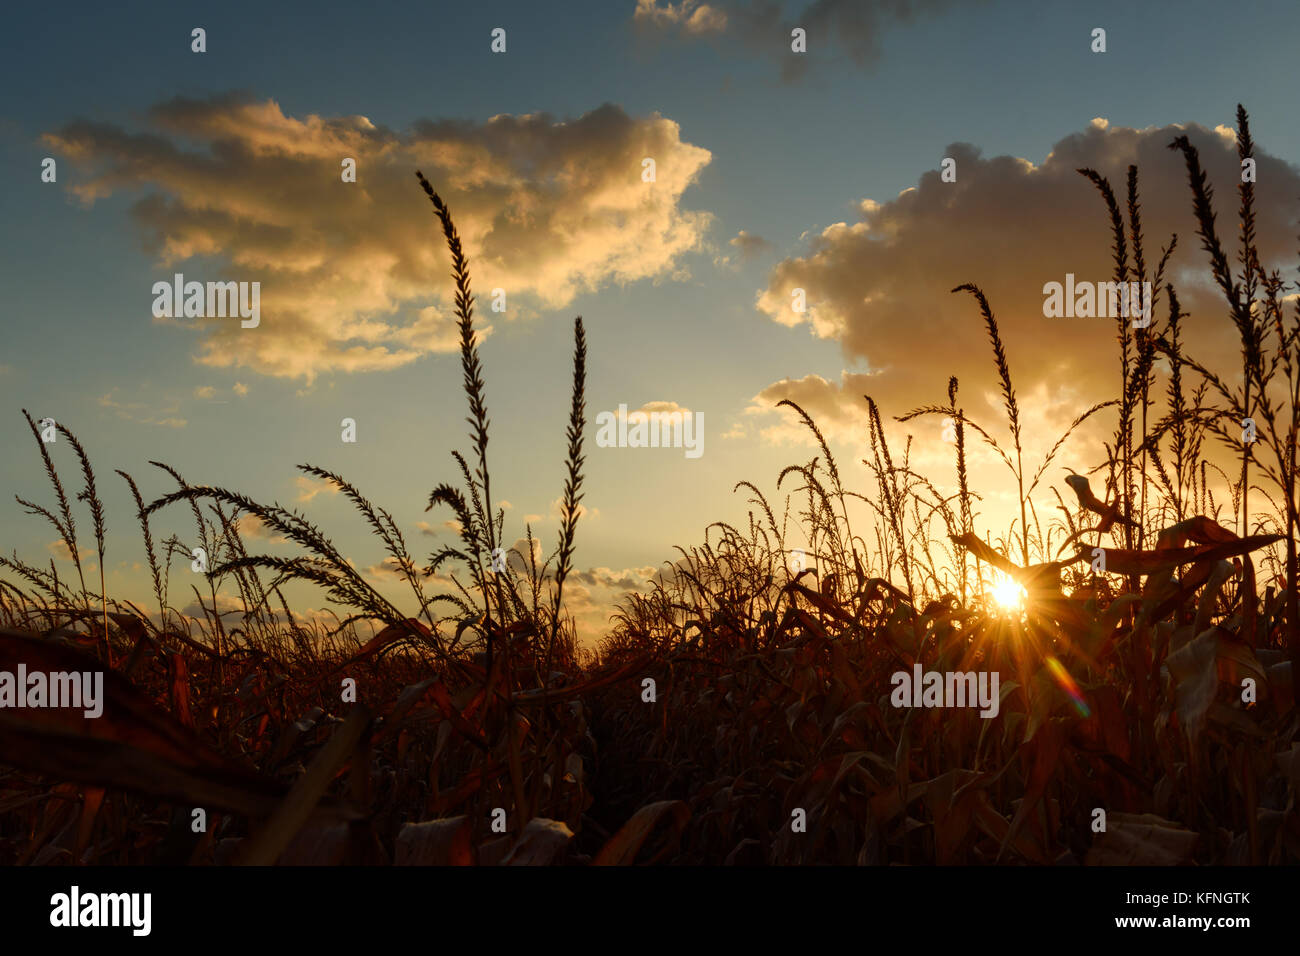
(354, 275)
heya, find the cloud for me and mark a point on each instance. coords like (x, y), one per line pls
(387, 571)
(749, 245)
(309, 488)
(837, 408)
(737, 430)
(557, 510)
(629, 579)
(880, 289)
(690, 17)
(451, 526)
(590, 595)
(210, 393)
(233, 604)
(354, 276)
(851, 28)
(666, 408)
(834, 29)
(225, 604)
(880, 286)
(59, 548)
(251, 528)
(142, 413)
(517, 554)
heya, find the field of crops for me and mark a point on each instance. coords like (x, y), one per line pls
(1143, 631)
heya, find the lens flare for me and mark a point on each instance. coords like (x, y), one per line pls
(1068, 685)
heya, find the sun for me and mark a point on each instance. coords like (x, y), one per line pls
(1008, 594)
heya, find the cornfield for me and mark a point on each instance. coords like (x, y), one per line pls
(739, 712)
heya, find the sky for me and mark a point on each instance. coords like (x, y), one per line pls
(774, 170)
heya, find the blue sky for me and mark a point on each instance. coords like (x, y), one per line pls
(786, 160)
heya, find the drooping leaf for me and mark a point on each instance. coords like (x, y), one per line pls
(541, 843)
(1141, 840)
(443, 842)
(623, 846)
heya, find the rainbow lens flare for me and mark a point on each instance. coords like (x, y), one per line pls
(1069, 685)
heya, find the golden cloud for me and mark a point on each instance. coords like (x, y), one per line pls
(354, 276)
